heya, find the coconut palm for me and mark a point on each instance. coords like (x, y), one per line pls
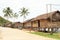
(24, 12)
(7, 12)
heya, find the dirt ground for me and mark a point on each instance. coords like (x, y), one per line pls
(16, 34)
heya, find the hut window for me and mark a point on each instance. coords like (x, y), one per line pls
(35, 22)
(48, 19)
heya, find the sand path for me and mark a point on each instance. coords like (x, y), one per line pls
(16, 34)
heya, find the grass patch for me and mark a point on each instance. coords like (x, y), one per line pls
(55, 35)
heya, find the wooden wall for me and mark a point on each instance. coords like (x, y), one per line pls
(35, 24)
(27, 24)
(43, 23)
(46, 23)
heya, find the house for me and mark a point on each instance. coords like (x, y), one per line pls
(8, 24)
(27, 24)
(46, 22)
(17, 24)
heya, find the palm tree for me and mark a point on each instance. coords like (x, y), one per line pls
(24, 12)
(15, 15)
(7, 12)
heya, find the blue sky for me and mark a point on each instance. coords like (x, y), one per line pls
(36, 7)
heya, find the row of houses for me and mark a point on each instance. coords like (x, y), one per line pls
(13, 25)
(46, 22)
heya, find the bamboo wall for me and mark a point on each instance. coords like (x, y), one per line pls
(28, 24)
(35, 23)
(45, 23)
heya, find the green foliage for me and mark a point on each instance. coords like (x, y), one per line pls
(8, 12)
(24, 12)
(55, 35)
(15, 15)
(3, 21)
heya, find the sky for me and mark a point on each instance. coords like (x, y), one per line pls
(36, 7)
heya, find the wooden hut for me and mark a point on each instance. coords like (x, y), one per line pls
(49, 21)
(17, 24)
(27, 24)
(8, 24)
(46, 22)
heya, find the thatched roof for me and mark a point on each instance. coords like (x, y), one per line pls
(28, 20)
(44, 16)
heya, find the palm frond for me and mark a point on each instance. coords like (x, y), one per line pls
(8, 12)
(15, 15)
(24, 12)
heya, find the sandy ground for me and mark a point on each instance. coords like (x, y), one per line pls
(16, 34)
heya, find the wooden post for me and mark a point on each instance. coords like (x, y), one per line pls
(44, 29)
(48, 30)
(38, 25)
(31, 26)
(23, 25)
(51, 31)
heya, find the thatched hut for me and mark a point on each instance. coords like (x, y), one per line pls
(45, 22)
(8, 24)
(17, 24)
